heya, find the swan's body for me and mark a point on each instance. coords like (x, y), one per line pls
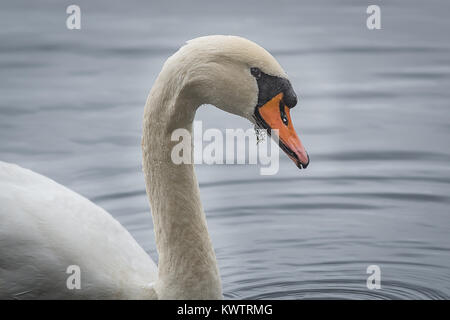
(45, 227)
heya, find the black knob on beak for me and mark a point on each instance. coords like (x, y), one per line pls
(290, 98)
(269, 86)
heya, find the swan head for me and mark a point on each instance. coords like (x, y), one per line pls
(240, 77)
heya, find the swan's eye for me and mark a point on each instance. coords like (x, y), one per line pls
(255, 72)
(283, 115)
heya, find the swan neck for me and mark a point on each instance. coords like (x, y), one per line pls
(187, 264)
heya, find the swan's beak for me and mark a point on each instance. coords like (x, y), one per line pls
(275, 115)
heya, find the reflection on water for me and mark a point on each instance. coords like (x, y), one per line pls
(373, 114)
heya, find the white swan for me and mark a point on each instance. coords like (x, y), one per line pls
(45, 227)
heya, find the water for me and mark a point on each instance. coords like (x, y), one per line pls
(374, 116)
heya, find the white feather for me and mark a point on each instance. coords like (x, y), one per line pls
(45, 227)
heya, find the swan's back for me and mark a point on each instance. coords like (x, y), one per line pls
(45, 227)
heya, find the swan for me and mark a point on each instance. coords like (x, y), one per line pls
(45, 227)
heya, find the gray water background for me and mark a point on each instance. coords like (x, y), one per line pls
(373, 114)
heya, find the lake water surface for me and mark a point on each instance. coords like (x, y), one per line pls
(374, 115)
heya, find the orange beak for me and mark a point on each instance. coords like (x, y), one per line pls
(274, 115)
